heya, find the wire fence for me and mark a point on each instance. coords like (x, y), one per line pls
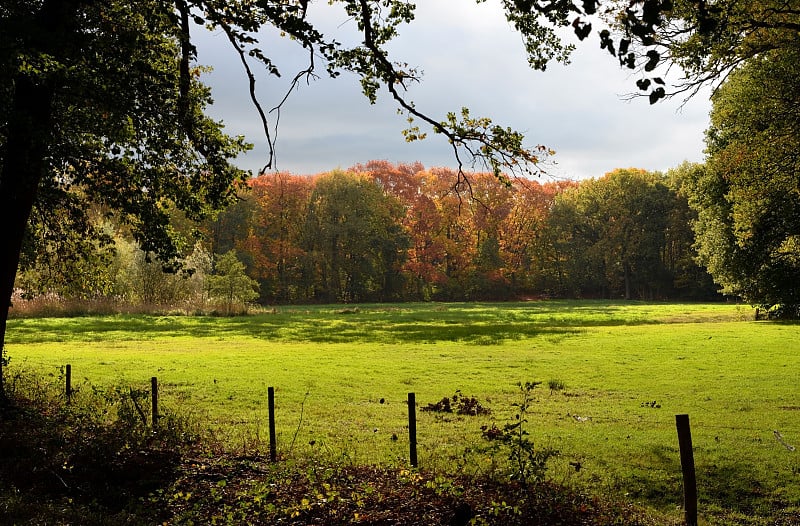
(664, 421)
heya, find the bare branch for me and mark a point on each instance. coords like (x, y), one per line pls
(253, 97)
(391, 78)
(308, 74)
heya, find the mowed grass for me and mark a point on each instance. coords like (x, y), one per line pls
(342, 375)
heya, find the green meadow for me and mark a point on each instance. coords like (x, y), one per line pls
(614, 377)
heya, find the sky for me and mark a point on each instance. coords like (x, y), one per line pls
(470, 56)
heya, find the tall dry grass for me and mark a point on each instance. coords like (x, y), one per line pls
(55, 306)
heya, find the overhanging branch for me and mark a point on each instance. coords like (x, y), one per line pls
(496, 146)
(252, 90)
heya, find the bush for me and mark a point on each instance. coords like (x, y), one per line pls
(88, 462)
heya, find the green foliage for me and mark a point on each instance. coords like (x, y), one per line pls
(716, 38)
(92, 461)
(528, 463)
(385, 232)
(119, 118)
(621, 236)
(67, 251)
(272, 248)
(140, 278)
(746, 196)
(501, 148)
(230, 284)
(353, 239)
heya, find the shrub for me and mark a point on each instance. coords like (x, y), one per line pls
(527, 463)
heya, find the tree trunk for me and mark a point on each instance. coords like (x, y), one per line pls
(23, 165)
(28, 136)
(627, 271)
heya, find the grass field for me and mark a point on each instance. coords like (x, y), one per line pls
(621, 373)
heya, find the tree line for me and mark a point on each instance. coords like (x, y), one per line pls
(401, 232)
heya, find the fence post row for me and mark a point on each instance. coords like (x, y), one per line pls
(681, 422)
(687, 467)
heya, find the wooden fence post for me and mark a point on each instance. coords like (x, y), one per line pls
(154, 393)
(273, 446)
(687, 467)
(412, 428)
(68, 386)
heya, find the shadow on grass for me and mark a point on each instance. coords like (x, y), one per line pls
(481, 324)
(61, 465)
(725, 489)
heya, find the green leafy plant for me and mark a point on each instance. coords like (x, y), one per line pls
(527, 463)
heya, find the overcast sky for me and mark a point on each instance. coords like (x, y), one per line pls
(470, 56)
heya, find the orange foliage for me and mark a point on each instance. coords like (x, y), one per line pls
(462, 227)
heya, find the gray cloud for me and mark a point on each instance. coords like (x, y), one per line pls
(470, 57)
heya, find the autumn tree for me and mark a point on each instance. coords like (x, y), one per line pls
(523, 236)
(103, 99)
(411, 185)
(489, 206)
(455, 237)
(271, 245)
(401, 180)
(427, 253)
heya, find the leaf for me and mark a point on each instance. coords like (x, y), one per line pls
(629, 61)
(606, 42)
(582, 29)
(653, 59)
(656, 95)
(623, 46)
(651, 12)
(643, 84)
